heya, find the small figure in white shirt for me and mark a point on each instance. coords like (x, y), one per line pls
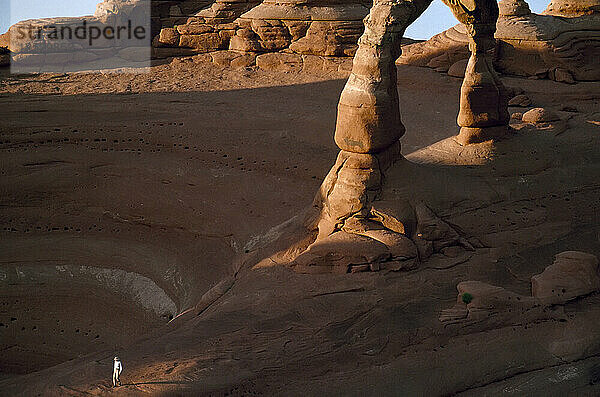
(117, 369)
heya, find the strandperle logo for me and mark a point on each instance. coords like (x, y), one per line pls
(117, 37)
(85, 31)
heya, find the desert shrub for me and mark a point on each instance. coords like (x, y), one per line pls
(467, 298)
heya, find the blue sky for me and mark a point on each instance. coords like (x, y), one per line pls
(436, 19)
(12, 11)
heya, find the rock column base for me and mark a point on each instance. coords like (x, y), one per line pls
(469, 135)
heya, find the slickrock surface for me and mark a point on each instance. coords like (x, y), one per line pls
(181, 179)
(573, 275)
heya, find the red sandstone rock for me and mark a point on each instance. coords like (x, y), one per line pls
(336, 253)
(539, 115)
(571, 275)
(520, 101)
(529, 44)
(458, 68)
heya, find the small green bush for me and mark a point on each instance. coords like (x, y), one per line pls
(467, 298)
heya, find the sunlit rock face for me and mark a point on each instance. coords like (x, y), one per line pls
(326, 28)
(329, 28)
(562, 44)
(358, 221)
(568, 8)
(483, 111)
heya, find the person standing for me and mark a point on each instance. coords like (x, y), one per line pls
(117, 369)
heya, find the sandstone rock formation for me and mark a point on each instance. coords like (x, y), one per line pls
(551, 44)
(539, 115)
(572, 275)
(478, 302)
(200, 26)
(577, 8)
(163, 17)
(483, 100)
(324, 28)
(561, 45)
(4, 56)
(350, 226)
(327, 28)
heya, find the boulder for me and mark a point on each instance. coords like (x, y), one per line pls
(521, 100)
(458, 68)
(279, 62)
(540, 115)
(203, 42)
(561, 75)
(168, 37)
(572, 274)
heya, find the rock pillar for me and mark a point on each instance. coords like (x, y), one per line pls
(483, 111)
(368, 119)
(368, 126)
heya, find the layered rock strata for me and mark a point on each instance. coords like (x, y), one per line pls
(560, 45)
(327, 28)
(324, 28)
(563, 44)
(210, 28)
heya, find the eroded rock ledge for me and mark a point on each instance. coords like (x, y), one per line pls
(572, 275)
